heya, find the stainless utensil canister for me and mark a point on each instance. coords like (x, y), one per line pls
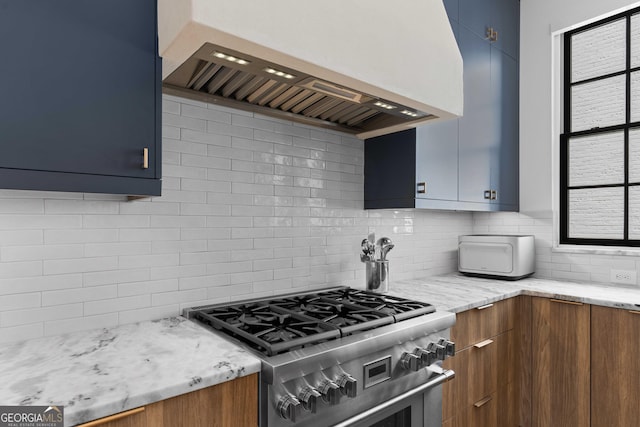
(377, 276)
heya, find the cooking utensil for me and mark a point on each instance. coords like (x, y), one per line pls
(385, 244)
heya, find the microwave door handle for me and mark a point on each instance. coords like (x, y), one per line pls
(445, 376)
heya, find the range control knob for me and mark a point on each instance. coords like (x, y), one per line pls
(410, 362)
(288, 407)
(449, 346)
(348, 385)
(439, 350)
(330, 392)
(427, 357)
(309, 398)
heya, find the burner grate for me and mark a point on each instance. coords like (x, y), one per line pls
(288, 323)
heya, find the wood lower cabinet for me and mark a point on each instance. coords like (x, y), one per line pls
(615, 367)
(230, 404)
(492, 382)
(561, 364)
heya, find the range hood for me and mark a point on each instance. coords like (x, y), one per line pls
(368, 67)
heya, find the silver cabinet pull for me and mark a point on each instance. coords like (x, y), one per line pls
(494, 194)
(422, 187)
(145, 158)
(482, 307)
(487, 194)
(483, 343)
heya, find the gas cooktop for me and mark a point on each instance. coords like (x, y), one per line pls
(275, 325)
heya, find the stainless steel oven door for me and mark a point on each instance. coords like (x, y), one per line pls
(419, 407)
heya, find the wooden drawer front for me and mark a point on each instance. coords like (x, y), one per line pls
(484, 322)
(480, 370)
(615, 369)
(561, 365)
(482, 413)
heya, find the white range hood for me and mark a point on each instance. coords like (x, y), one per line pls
(391, 54)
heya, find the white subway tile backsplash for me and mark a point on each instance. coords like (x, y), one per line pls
(116, 304)
(80, 265)
(202, 112)
(21, 237)
(41, 314)
(165, 298)
(251, 206)
(29, 222)
(20, 301)
(140, 315)
(114, 276)
(22, 206)
(23, 332)
(147, 287)
(40, 252)
(72, 295)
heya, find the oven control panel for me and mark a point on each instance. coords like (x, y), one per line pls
(331, 387)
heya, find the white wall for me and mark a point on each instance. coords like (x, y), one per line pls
(539, 113)
(251, 206)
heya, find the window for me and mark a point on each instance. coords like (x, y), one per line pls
(600, 146)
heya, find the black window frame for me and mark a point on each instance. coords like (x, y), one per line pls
(567, 134)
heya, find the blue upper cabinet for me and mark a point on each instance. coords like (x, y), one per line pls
(470, 163)
(80, 105)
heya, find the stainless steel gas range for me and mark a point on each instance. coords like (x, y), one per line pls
(341, 357)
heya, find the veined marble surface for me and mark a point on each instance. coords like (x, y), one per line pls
(458, 293)
(103, 372)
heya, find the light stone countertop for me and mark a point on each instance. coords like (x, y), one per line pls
(102, 372)
(457, 293)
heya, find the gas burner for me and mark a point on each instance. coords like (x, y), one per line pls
(274, 326)
(400, 308)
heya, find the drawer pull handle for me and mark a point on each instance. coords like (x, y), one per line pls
(115, 417)
(561, 301)
(482, 307)
(482, 402)
(483, 343)
(634, 311)
(422, 188)
(145, 158)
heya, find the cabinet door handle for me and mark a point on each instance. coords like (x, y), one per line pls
(483, 343)
(482, 307)
(422, 187)
(105, 420)
(634, 312)
(494, 194)
(487, 194)
(492, 34)
(561, 301)
(482, 402)
(145, 158)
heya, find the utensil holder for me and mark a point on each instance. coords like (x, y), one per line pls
(377, 276)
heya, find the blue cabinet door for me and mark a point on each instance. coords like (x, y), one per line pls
(80, 86)
(437, 160)
(505, 160)
(475, 15)
(477, 126)
(506, 20)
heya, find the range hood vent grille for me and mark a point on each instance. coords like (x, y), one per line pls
(255, 85)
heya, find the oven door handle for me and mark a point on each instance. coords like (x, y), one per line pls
(443, 377)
